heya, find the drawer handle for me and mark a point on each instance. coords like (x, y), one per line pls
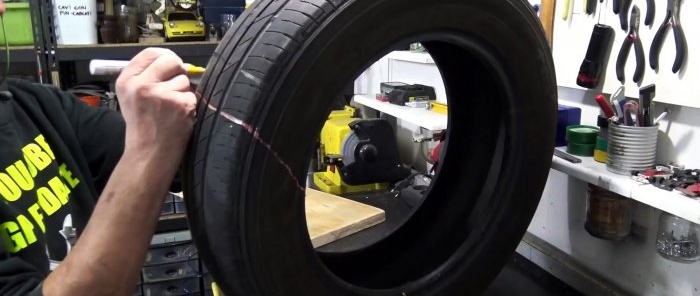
(170, 254)
(171, 272)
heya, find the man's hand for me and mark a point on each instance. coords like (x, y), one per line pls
(155, 97)
(157, 105)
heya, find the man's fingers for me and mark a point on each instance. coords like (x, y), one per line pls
(186, 100)
(143, 59)
(163, 68)
(178, 83)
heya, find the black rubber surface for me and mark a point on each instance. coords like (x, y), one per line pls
(266, 93)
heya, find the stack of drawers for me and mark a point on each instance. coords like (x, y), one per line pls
(179, 203)
(172, 265)
(168, 205)
(174, 204)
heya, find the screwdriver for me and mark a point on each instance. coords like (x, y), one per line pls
(567, 9)
(603, 103)
(114, 67)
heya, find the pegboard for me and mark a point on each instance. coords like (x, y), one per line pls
(571, 39)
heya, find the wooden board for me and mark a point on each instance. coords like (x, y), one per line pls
(547, 18)
(330, 217)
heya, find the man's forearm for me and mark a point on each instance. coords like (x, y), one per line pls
(111, 250)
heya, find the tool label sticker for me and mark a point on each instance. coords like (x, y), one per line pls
(75, 10)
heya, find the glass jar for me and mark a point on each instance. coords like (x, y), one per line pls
(227, 21)
(607, 214)
(128, 24)
(677, 238)
(417, 47)
(213, 33)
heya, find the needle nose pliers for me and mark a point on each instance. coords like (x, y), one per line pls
(622, 8)
(672, 20)
(632, 38)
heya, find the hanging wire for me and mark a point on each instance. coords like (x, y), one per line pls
(7, 50)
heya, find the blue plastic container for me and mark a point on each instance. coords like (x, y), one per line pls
(213, 9)
(567, 116)
(223, 3)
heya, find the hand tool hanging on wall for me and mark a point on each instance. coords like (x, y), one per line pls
(616, 6)
(632, 38)
(568, 6)
(672, 20)
(596, 56)
(624, 11)
(590, 6)
(651, 12)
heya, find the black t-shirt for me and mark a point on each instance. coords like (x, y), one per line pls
(56, 155)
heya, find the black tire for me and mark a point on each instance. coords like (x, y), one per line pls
(279, 72)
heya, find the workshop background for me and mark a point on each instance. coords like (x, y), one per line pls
(627, 262)
(595, 232)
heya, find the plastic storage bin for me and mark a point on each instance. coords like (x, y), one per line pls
(170, 271)
(172, 288)
(213, 9)
(168, 209)
(170, 254)
(18, 24)
(212, 14)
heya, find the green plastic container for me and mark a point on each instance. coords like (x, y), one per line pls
(18, 24)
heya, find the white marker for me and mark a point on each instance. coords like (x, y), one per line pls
(114, 67)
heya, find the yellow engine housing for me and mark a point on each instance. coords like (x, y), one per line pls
(334, 132)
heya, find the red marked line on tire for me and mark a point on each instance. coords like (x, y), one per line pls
(253, 132)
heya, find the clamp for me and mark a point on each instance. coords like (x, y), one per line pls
(632, 38)
(672, 20)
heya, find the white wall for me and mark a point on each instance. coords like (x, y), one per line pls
(387, 69)
(676, 140)
(632, 265)
(571, 38)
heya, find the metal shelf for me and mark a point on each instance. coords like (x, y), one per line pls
(424, 118)
(595, 173)
(19, 54)
(409, 56)
(127, 51)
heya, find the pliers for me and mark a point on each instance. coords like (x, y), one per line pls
(651, 12)
(672, 20)
(632, 38)
(622, 8)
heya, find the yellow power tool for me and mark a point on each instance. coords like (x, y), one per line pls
(359, 155)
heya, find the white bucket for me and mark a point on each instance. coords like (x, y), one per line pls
(75, 21)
